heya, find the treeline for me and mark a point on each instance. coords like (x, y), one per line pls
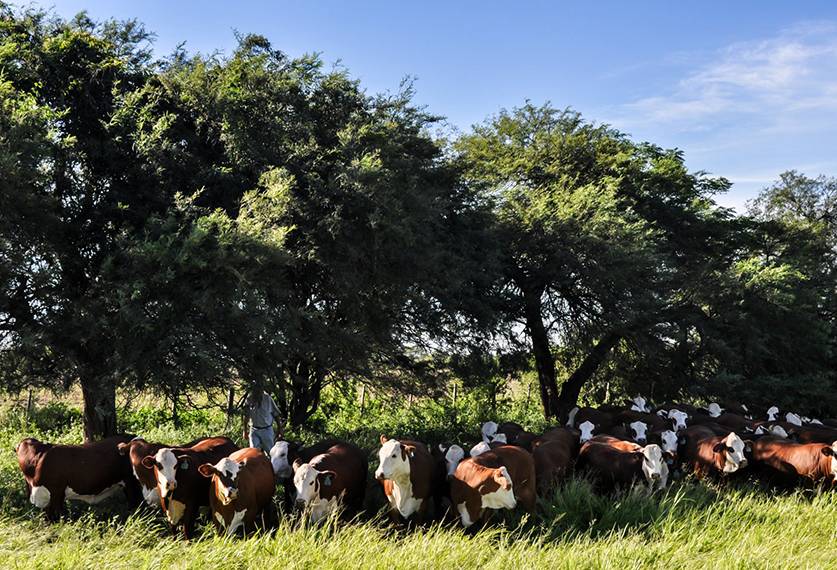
(203, 221)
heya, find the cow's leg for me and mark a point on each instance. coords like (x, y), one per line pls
(270, 518)
(188, 522)
(55, 508)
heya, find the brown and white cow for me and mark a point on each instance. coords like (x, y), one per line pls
(182, 489)
(136, 450)
(553, 461)
(411, 478)
(614, 463)
(706, 453)
(90, 473)
(331, 479)
(815, 434)
(500, 478)
(241, 491)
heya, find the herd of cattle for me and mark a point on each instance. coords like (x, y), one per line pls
(506, 468)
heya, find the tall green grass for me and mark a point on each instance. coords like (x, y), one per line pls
(691, 525)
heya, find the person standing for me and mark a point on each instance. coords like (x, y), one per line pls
(261, 412)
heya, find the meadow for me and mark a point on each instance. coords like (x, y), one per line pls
(691, 525)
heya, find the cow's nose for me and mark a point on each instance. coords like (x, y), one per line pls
(743, 463)
(655, 476)
(379, 475)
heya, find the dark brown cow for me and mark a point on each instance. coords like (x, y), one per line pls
(136, 450)
(241, 491)
(706, 453)
(182, 489)
(336, 476)
(790, 463)
(734, 422)
(614, 463)
(287, 456)
(413, 480)
(500, 478)
(90, 473)
(811, 434)
(553, 461)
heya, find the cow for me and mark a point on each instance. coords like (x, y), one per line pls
(732, 421)
(553, 461)
(678, 419)
(334, 478)
(500, 478)
(789, 463)
(706, 453)
(714, 410)
(90, 473)
(772, 413)
(241, 491)
(811, 434)
(286, 456)
(182, 489)
(669, 443)
(451, 455)
(614, 463)
(598, 419)
(136, 450)
(639, 404)
(411, 479)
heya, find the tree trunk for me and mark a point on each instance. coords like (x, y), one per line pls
(544, 363)
(306, 387)
(571, 389)
(99, 408)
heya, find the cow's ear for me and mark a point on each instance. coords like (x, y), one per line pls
(207, 470)
(328, 477)
(123, 448)
(149, 462)
(410, 450)
(720, 447)
(748, 446)
(384, 439)
(828, 451)
(184, 462)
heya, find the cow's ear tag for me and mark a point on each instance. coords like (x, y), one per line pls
(327, 480)
(184, 465)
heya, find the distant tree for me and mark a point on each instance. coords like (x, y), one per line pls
(604, 239)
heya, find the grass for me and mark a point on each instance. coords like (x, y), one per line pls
(692, 525)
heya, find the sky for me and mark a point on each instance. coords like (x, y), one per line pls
(746, 89)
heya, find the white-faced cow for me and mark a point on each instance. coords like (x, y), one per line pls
(90, 473)
(500, 478)
(613, 463)
(789, 463)
(410, 477)
(182, 489)
(709, 454)
(333, 479)
(241, 491)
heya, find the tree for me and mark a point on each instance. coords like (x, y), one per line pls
(69, 190)
(603, 238)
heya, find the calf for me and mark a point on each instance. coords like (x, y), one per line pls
(333, 478)
(182, 489)
(411, 478)
(287, 456)
(136, 450)
(706, 453)
(241, 491)
(668, 442)
(790, 463)
(497, 479)
(90, 473)
(614, 463)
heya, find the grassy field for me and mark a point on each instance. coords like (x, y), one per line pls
(692, 525)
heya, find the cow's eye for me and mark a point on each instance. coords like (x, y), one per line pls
(393, 455)
(311, 483)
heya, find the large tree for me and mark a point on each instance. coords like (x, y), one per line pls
(603, 238)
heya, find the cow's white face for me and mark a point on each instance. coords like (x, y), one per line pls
(479, 449)
(488, 431)
(571, 417)
(734, 453)
(815, 422)
(499, 438)
(503, 497)
(453, 456)
(40, 497)
(654, 468)
(778, 431)
(834, 460)
(227, 484)
(279, 459)
(678, 419)
(306, 484)
(586, 428)
(640, 431)
(714, 410)
(166, 470)
(640, 404)
(772, 413)
(669, 440)
(794, 419)
(394, 463)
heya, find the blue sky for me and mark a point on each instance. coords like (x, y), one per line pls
(746, 89)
